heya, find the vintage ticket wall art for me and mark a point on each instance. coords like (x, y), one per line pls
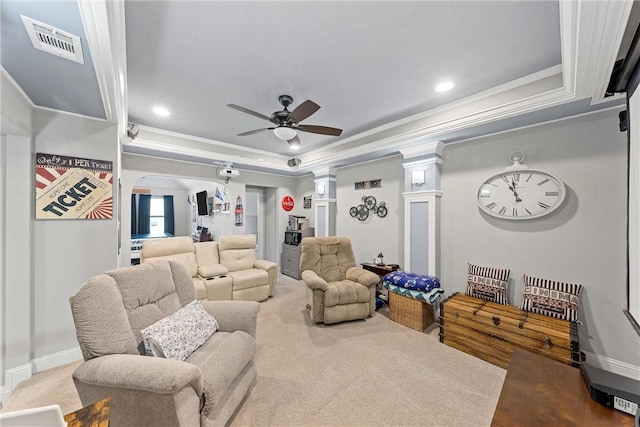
(73, 187)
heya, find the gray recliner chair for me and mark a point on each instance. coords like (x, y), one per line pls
(206, 389)
(337, 290)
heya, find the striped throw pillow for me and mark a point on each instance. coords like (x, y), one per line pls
(551, 298)
(488, 283)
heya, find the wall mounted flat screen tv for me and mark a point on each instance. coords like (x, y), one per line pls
(201, 199)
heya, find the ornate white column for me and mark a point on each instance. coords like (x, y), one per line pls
(325, 202)
(422, 169)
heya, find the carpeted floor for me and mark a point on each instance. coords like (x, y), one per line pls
(373, 372)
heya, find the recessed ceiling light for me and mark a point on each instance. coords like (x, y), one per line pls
(161, 111)
(443, 87)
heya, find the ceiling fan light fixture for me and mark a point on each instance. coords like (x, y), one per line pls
(284, 133)
(294, 143)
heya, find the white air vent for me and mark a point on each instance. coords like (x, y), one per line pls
(53, 40)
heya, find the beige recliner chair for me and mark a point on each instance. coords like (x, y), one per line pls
(180, 249)
(337, 289)
(205, 389)
(253, 279)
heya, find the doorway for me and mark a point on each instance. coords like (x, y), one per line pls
(255, 218)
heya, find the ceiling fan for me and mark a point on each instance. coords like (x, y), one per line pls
(288, 122)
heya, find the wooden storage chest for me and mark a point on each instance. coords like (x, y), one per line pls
(492, 331)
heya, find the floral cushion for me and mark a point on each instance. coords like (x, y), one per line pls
(488, 283)
(551, 298)
(179, 334)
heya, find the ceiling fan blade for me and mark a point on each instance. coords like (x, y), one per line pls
(252, 132)
(303, 111)
(246, 110)
(324, 130)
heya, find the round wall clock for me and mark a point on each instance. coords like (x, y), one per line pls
(520, 193)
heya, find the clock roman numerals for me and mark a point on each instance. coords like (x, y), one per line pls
(520, 194)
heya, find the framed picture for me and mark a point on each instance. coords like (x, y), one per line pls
(307, 202)
(366, 185)
(73, 187)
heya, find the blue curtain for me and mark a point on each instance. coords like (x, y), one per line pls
(169, 220)
(134, 215)
(144, 214)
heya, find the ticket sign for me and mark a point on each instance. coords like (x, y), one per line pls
(73, 188)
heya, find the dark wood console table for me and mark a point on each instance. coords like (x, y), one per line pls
(539, 391)
(380, 270)
(96, 415)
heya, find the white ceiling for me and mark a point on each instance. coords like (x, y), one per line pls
(371, 66)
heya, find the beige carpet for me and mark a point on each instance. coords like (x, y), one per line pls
(373, 372)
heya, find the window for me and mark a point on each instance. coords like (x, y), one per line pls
(157, 216)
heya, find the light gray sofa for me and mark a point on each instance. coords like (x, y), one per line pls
(222, 270)
(109, 312)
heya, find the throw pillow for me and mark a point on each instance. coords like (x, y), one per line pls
(488, 283)
(551, 298)
(179, 334)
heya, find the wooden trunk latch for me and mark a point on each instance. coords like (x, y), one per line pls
(524, 319)
(478, 308)
(496, 320)
(547, 342)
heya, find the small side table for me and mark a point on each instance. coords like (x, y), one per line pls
(96, 415)
(381, 270)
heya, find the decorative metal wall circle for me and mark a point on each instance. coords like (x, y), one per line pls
(369, 205)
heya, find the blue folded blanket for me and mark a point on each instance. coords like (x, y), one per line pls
(416, 282)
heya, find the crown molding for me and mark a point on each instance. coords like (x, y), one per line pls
(104, 24)
(591, 34)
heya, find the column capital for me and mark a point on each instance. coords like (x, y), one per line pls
(325, 172)
(425, 150)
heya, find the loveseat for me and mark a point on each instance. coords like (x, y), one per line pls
(114, 310)
(224, 270)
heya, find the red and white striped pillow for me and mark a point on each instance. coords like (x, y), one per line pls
(488, 283)
(551, 298)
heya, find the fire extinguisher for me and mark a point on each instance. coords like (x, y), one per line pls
(239, 211)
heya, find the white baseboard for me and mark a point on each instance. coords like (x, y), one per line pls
(612, 365)
(15, 376)
(56, 359)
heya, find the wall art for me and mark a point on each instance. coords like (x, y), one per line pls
(366, 185)
(368, 206)
(307, 202)
(73, 187)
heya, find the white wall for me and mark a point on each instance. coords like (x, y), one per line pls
(221, 223)
(305, 187)
(583, 242)
(68, 252)
(376, 234)
(46, 261)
